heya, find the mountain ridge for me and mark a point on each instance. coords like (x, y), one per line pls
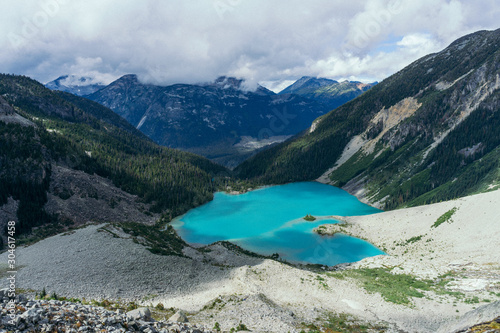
(329, 92)
(397, 140)
(77, 85)
(307, 82)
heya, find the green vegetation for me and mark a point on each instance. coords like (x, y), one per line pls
(309, 218)
(43, 293)
(396, 288)
(53, 296)
(321, 230)
(412, 240)
(446, 217)
(216, 302)
(155, 238)
(472, 300)
(322, 282)
(235, 248)
(342, 323)
(241, 327)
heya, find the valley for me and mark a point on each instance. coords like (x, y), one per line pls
(218, 119)
(114, 206)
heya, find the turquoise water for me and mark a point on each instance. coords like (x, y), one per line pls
(269, 220)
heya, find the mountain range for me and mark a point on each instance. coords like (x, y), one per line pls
(221, 120)
(218, 120)
(428, 133)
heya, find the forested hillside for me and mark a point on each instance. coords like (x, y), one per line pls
(72, 133)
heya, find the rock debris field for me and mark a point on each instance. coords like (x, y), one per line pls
(60, 316)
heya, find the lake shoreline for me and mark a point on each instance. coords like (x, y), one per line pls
(416, 242)
(273, 220)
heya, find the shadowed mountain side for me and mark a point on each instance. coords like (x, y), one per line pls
(219, 120)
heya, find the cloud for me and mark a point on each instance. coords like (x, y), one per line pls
(193, 41)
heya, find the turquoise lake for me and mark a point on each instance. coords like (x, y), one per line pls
(269, 220)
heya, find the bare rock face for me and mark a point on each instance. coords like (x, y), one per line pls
(484, 315)
(5, 108)
(9, 116)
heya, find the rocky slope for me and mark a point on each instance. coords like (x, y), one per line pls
(330, 93)
(219, 120)
(62, 316)
(427, 133)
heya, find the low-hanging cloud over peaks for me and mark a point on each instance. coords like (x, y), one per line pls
(167, 42)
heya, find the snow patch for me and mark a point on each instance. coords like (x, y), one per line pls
(248, 143)
(141, 122)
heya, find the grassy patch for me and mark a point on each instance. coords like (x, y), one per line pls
(411, 240)
(472, 300)
(446, 217)
(396, 288)
(322, 282)
(342, 323)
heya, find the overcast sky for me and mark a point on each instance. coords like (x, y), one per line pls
(266, 41)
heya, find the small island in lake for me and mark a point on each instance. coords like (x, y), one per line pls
(309, 218)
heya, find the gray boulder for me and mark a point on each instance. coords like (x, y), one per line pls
(140, 314)
(4, 293)
(179, 317)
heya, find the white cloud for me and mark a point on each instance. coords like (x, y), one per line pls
(197, 40)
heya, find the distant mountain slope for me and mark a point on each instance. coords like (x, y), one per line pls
(219, 120)
(427, 133)
(100, 112)
(72, 160)
(306, 83)
(330, 93)
(76, 85)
